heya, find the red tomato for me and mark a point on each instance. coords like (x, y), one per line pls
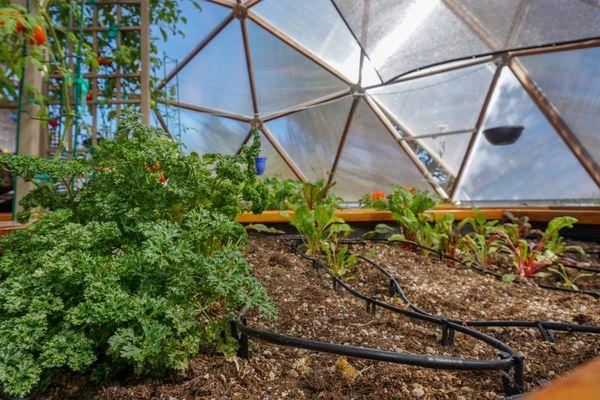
(88, 96)
(53, 123)
(39, 36)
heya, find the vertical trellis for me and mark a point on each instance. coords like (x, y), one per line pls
(98, 78)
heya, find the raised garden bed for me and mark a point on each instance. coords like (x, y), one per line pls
(309, 308)
(585, 215)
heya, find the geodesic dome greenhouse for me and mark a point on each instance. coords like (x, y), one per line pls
(382, 92)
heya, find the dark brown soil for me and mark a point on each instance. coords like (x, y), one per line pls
(309, 308)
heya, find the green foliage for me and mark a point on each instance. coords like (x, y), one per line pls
(134, 268)
(339, 259)
(318, 193)
(375, 200)
(262, 228)
(282, 193)
(380, 229)
(39, 35)
(314, 225)
(479, 223)
(527, 258)
(530, 258)
(313, 216)
(480, 249)
(567, 279)
(556, 243)
(446, 235)
(408, 209)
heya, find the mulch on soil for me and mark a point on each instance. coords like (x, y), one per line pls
(309, 308)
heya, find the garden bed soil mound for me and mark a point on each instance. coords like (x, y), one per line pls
(309, 308)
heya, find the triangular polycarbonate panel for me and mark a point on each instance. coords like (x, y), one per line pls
(311, 137)
(402, 35)
(276, 166)
(537, 166)
(316, 25)
(200, 22)
(449, 150)
(369, 75)
(495, 18)
(372, 160)
(217, 77)
(546, 22)
(284, 77)
(205, 133)
(443, 102)
(571, 83)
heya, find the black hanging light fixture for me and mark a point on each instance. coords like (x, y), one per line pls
(503, 135)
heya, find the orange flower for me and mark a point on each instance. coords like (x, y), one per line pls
(410, 189)
(149, 168)
(157, 165)
(377, 195)
(163, 179)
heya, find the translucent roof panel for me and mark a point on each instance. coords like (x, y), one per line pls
(372, 160)
(443, 102)
(369, 75)
(449, 150)
(401, 35)
(316, 25)
(312, 137)
(217, 77)
(200, 22)
(284, 77)
(551, 21)
(571, 82)
(206, 133)
(276, 166)
(538, 165)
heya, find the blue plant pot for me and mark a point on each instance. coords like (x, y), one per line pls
(260, 164)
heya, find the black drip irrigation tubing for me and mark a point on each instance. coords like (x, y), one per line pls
(510, 360)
